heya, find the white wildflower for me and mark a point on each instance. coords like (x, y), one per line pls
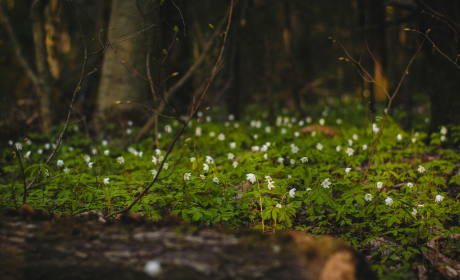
(166, 166)
(399, 137)
(292, 192)
(154, 172)
(154, 160)
(321, 121)
(212, 134)
(389, 201)
(294, 150)
(350, 151)
(338, 148)
(209, 160)
(368, 197)
(104, 143)
(379, 185)
(443, 130)
(414, 211)
(121, 160)
(319, 146)
(347, 170)
(443, 138)
(27, 155)
(409, 185)
(106, 181)
(355, 137)
(414, 140)
(292, 161)
(339, 121)
(202, 176)
(439, 198)
(128, 131)
(304, 159)
(152, 268)
(66, 170)
(40, 151)
(251, 177)
(187, 176)
(106, 152)
(221, 137)
(215, 180)
(279, 206)
(87, 158)
(308, 119)
(364, 147)
(205, 167)
(268, 129)
(280, 160)
(235, 164)
(231, 156)
(18, 146)
(192, 159)
(60, 163)
(232, 145)
(255, 148)
(47, 146)
(231, 117)
(326, 183)
(90, 165)
(421, 169)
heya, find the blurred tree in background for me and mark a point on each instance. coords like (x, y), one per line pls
(279, 53)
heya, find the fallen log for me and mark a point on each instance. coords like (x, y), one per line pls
(94, 249)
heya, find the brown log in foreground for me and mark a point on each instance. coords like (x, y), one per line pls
(84, 249)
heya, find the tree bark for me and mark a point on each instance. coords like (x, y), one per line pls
(117, 83)
(44, 89)
(81, 249)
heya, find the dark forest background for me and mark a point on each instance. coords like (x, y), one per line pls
(279, 54)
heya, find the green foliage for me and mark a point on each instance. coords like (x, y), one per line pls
(398, 201)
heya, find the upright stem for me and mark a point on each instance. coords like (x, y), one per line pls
(261, 210)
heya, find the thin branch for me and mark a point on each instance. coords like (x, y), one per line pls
(183, 21)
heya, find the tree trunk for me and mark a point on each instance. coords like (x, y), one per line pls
(44, 89)
(119, 81)
(78, 249)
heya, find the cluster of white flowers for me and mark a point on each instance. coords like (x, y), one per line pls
(131, 150)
